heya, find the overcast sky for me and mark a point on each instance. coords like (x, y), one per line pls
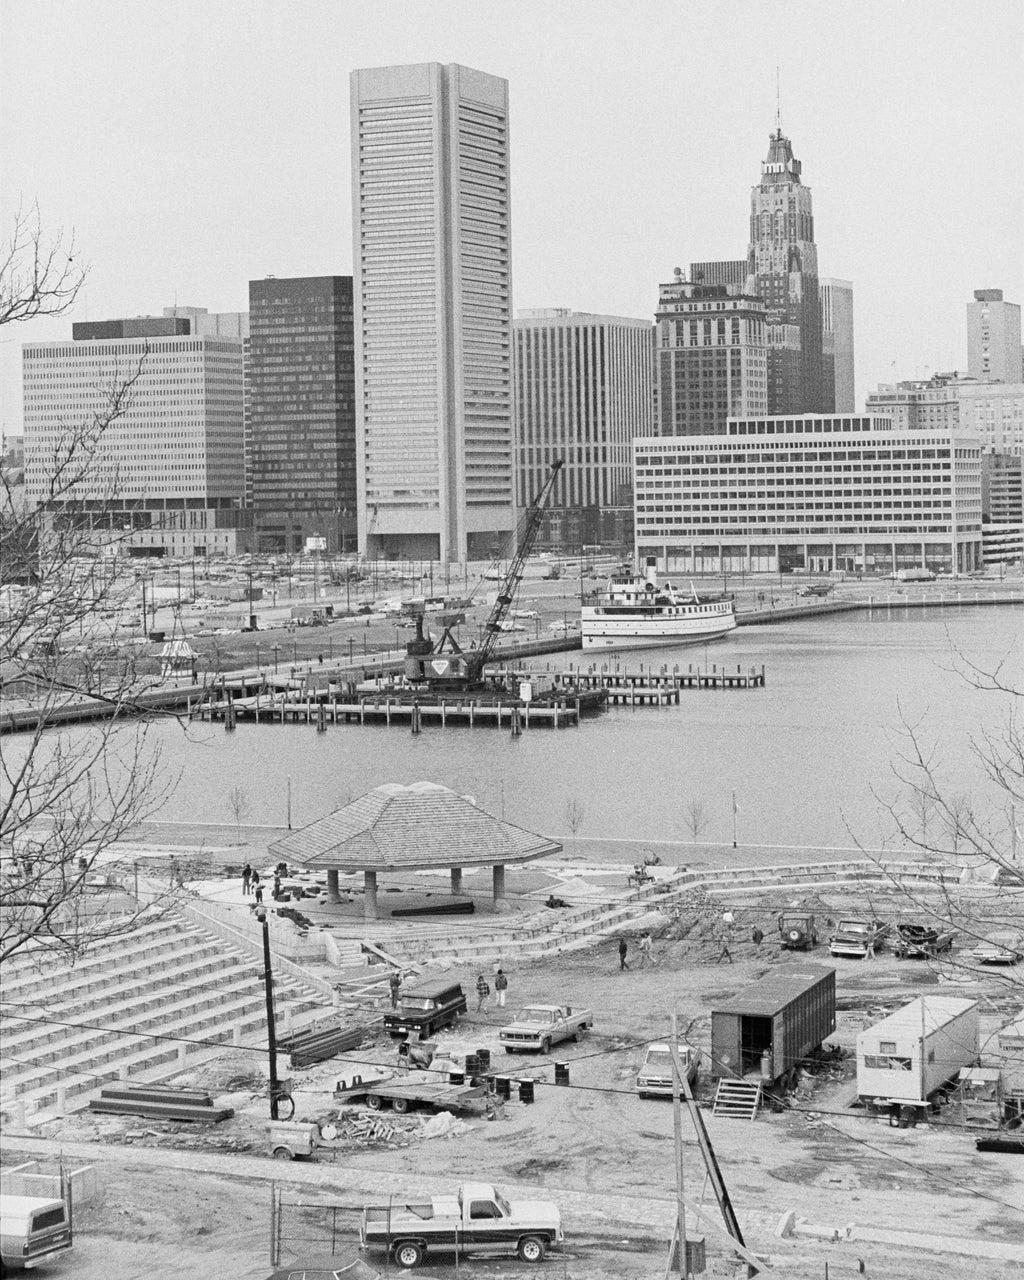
(195, 144)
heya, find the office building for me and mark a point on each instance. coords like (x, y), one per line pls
(822, 494)
(433, 321)
(837, 346)
(214, 324)
(993, 338)
(731, 272)
(168, 474)
(301, 414)
(782, 267)
(583, 391)
(711, 358)
(921, 404)
(994, 411)
(1002, 508)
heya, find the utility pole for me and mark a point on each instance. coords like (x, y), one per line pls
(677, 1126)
(268, 984)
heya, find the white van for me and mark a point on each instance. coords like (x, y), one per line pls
(32, 1231)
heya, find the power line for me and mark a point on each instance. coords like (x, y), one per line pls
(780, 1100)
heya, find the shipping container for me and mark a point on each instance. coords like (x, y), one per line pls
(768, 1028)
(908, 1056)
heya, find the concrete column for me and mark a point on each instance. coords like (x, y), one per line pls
(499, 882)
(456, 879)
(332, 887)
(370, 885)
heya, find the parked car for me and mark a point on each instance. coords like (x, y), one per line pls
(797, 931)
(919, 941)
(1005, 946)
(654, 1079)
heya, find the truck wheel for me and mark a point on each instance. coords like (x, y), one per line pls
(532, 1249)
(374, 1101)
(545, 1045)
(401, 1105)
(282, 1153)
(794, 937)
(579, 1033)
(409, 1254)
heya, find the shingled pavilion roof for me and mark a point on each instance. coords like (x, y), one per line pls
(399, 828)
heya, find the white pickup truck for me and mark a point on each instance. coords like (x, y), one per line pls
(478, 1219)
(539, 1026)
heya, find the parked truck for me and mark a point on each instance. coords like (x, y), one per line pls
(426, 1007)
(769, 1028)
(654, 1079)
(539, 1026)
(906, 1058)
(477, 1219)
(916, 941)
(855, 936)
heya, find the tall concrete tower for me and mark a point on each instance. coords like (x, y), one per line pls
(782, 268)
(993, 337)
(430, 179)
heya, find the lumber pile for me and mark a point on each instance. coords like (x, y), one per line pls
(316, 1044)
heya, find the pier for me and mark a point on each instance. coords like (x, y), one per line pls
(639, 687)
(559, 713)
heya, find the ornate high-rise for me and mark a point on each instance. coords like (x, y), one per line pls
(782, 268)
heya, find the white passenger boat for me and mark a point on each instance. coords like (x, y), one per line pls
(637, 612)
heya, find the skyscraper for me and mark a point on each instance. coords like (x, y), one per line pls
(837, 345)
(782, 267)
(300, 409)
(433, 316)
(583, 391)
(711, 359)
(993, 338)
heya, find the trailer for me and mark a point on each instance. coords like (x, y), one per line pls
(905, 1059)
(769, 1028)
(409, 1090)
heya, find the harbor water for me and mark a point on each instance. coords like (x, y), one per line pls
(811, 758)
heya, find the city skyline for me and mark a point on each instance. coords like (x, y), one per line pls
(614, 183)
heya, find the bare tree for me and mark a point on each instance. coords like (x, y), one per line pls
(970, 843)
(695, 818)
(69, 793)
(238, 801)
(39, 275)
(574, 815)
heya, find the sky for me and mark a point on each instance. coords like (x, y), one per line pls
(194, 145)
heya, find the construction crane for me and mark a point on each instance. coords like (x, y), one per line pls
(462, 670)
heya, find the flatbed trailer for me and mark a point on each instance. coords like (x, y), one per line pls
(404, 1094)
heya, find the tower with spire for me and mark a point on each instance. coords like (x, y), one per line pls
(782, 269)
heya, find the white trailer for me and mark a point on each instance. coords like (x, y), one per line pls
(906, 1058)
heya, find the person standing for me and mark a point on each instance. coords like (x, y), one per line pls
(623, 952)
(394, 983)
(483, 990)
(500, 988)
(647, 950)
(246, 879)
(258, 890)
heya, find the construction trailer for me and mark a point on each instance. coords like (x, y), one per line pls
(767, 1029)
(905, 1059)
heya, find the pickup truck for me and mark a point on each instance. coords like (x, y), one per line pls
(919, 941)
(539, 1026)
(477, 1219)
(854, 935)
(654, 1079)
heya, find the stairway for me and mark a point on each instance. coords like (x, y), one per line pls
(737, 1099)
(140, 1006)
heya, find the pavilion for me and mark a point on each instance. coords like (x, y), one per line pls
(410, 828)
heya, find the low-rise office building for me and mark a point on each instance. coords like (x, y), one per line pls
(822, 494)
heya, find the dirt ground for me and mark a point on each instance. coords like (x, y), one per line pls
(174, 1199)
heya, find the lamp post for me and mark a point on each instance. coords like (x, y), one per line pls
(268, 985)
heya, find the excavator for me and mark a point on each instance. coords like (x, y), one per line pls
(446, 667)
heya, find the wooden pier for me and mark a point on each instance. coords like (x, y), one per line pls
(560, 713)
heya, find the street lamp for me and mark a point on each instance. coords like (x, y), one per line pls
(268, 984)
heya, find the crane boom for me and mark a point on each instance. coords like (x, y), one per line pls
(477, 660)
